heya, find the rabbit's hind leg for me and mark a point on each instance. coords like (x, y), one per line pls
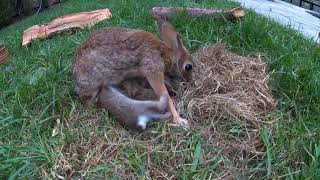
(133, 113)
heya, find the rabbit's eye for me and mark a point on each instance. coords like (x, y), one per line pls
(188, 67)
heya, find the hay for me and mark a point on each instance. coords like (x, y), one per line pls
(227, 86)
(228, 103)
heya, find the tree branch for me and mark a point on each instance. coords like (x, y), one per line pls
(164, 13)
(4, 56)
(65, 23)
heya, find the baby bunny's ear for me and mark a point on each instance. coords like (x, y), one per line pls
(169, 36)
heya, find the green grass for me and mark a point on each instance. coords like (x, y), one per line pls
(36, 89)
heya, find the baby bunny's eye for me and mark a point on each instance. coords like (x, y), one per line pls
(188, 67)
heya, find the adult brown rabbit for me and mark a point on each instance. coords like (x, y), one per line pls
(109, 56)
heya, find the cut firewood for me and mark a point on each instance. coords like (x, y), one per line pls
(4, 56)
(65, 23)
(162, 13)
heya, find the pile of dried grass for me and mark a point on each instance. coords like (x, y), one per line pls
(228, 104)
(227, 86)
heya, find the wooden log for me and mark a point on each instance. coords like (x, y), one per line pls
(4, 56)
(162, 13)
(65, 23)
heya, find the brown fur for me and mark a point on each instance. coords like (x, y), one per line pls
(112, 55)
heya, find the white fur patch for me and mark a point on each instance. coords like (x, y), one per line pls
(142, 121)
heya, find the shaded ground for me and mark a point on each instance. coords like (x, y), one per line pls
(13, 11)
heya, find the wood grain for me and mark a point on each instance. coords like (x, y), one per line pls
(161, 13)
(4, 56)
(65, 23)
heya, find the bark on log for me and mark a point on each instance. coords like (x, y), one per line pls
(4, 56)
(65, 23)
(163, 13)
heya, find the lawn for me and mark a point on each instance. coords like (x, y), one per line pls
(37, 96)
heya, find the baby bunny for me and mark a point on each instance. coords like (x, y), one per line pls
(109, 56)
(139, 88)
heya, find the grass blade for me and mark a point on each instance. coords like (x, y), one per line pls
(196, 156)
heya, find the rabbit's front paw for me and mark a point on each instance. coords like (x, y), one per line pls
(181, 122)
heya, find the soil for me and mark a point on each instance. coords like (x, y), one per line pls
(20, 15)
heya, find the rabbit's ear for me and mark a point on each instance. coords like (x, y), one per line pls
(169, 36)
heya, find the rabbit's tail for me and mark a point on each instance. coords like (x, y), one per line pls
(143, 120)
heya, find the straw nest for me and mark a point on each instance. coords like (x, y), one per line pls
(228, 103)
(227, 86)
